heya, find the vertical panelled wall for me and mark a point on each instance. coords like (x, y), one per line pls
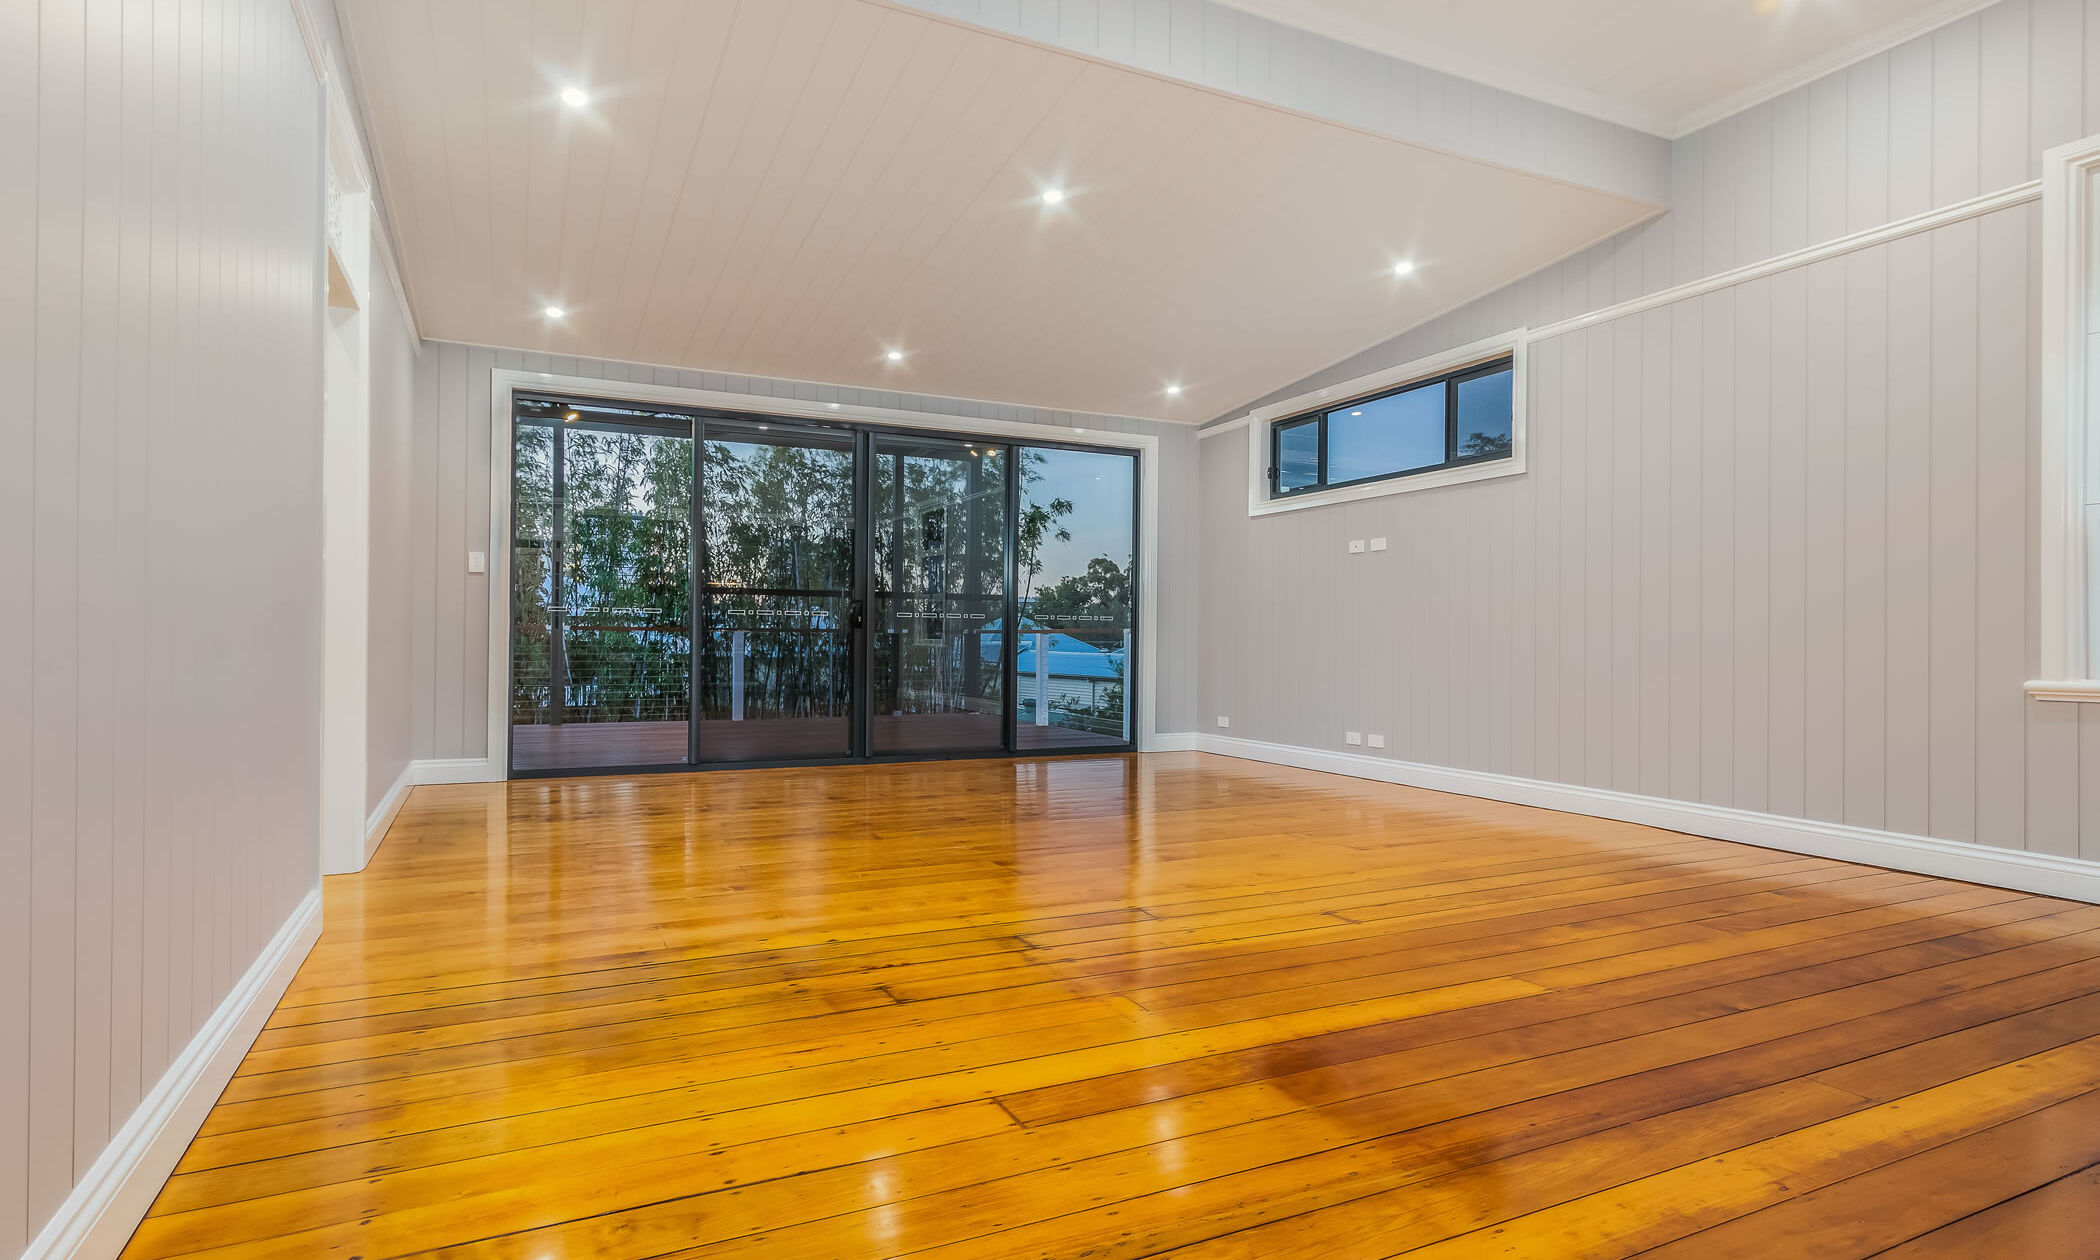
(160, 238)
(390, 704)
(1776, 548)
(449, 516)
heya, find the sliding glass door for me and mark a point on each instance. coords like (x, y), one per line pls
(1078, 544)
(697, 588)
(939, 584)
(601, 644)
(776, 603)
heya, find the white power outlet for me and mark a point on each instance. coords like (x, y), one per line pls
(1356, 546)
(1377, 741)
(1354, 737)
(477, 562)
(1223, 720)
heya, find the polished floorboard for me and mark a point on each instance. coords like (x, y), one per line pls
(1172, 1005)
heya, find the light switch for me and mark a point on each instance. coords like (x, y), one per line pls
(1356, 546)
(1378, 544)
(477, 562)
(1355, 737)
(1378, 741)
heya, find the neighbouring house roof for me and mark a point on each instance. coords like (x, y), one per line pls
(1069, 657)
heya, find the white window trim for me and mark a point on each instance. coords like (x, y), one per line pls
(2067, 398)
(1262, 421)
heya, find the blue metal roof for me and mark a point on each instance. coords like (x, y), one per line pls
(1069, 657)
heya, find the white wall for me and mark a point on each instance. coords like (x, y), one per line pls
(160, 248)
(391, 702)
(449, 516)
(1776, 549)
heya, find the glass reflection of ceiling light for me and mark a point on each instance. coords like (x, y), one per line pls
(1356, 413)
(575, 98)
(573, 417)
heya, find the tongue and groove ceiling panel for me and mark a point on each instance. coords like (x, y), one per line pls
(797, 188)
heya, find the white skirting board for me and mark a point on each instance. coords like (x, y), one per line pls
(2042, 873)
(97, 1219)
(383, 817)
(454, 770)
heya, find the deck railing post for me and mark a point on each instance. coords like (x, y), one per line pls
(1042, 680)
(736, 676)
(1126, 684)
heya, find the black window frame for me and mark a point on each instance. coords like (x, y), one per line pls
(1449, 380)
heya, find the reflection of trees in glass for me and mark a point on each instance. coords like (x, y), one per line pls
(1039, 520)
(940, 575)
(625, 547)
(1098, 597)
(777, 518)
(532, 572)
(1484, 446)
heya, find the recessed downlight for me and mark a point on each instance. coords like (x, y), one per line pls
(1173, 391)
(575, 97)
(555, 312)
(1405, 267)
(1053, 196)
(895, 356)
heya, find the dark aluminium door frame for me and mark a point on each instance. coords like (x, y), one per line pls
(861, 645)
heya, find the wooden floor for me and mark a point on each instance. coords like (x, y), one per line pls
(1117, 1007)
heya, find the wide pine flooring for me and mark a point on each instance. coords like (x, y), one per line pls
(1134, 1006)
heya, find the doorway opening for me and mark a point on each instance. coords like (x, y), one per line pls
(698, 588)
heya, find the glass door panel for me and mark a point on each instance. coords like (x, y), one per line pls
(601, 659)
(939, 582)
(777, 532)
(1077, 567)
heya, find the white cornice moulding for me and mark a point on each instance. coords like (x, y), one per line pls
(111, 1198)
(1342, 29)
(1974, 207)
(1355, 34)
(1873, 45)
(2046, 874)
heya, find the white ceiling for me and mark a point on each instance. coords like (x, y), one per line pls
(1662, 66)
(792, 187)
